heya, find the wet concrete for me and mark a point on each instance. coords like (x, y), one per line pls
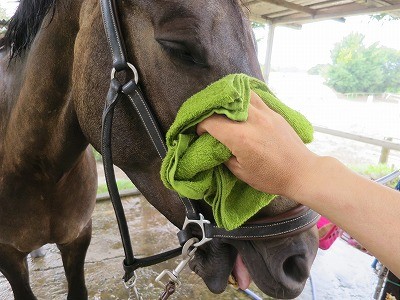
(339, 273)
(104, 259)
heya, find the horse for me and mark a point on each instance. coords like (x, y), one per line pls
(54, 66)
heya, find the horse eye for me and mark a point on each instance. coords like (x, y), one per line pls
(180, 51)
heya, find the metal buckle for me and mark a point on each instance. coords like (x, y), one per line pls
(133, 69)
(200, 223)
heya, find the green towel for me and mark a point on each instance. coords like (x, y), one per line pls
(194, 165)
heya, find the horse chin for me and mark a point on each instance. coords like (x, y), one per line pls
(214, 263)
(278, 268)
(276, 272)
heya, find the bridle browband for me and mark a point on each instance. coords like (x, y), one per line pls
(296, 220)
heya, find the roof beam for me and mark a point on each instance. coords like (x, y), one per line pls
(292, 6)
(326, 15)
(259, 19)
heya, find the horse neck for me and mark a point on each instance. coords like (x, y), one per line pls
(42, 129)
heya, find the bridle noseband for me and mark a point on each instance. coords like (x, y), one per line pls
(293, 221)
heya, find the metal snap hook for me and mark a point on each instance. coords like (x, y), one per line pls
(188, 251)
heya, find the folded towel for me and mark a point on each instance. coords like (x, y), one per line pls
(194, 165)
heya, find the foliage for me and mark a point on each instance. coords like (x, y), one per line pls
(320, 69)
(257, 25)
(375, 172)
(123, 184)
(3, 16)
(357, 68)
(97, 155)
(384, 17)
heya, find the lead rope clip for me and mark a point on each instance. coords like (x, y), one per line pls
(188, 251)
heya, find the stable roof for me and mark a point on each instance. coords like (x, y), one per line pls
(297, 12)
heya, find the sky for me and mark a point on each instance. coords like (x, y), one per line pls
(311, 45)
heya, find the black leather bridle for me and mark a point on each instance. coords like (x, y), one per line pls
(298, 219)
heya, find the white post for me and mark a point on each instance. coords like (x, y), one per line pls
(268, 55)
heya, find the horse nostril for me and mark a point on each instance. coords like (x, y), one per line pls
(296, 268)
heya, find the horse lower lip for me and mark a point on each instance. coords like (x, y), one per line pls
(241, 274)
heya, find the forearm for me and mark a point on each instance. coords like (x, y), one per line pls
(367, 211)
(269, 156)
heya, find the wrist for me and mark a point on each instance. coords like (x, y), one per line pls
(311, 178)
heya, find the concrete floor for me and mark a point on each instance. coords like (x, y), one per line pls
(153, 233)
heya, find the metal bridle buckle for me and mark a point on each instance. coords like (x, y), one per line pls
(200, 223)
(133, 69)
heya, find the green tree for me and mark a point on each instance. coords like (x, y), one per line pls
(384, 17)
(3, 16)
(320, 69)
(257, 25)
(357, 68)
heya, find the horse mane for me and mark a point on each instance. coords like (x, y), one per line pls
(25, 24)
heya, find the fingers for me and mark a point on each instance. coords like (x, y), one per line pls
(228, 131)
(233, 165)
(219, 127)
(257, 102)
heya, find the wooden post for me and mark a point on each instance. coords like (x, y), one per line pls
(270, 42)
(385, 153)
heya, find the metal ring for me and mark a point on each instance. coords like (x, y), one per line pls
(186, 249)
(133, 69)
(131, 281)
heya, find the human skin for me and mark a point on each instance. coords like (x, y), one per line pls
(269, 156)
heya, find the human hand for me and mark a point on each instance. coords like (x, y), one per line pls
(267, 152)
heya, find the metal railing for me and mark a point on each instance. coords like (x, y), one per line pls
(371, 96)
(387, 143)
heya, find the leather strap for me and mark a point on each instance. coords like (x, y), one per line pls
(113, 32)
(267, 230)
(135, 96)
(113, 97)
(115, 94)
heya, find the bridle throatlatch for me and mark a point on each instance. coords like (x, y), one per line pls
(295, 220)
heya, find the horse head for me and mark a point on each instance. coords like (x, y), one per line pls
(180, 47)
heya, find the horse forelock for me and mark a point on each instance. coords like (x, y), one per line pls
(25, 24)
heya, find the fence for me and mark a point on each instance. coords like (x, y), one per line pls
(372, 96)
(387, 144)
